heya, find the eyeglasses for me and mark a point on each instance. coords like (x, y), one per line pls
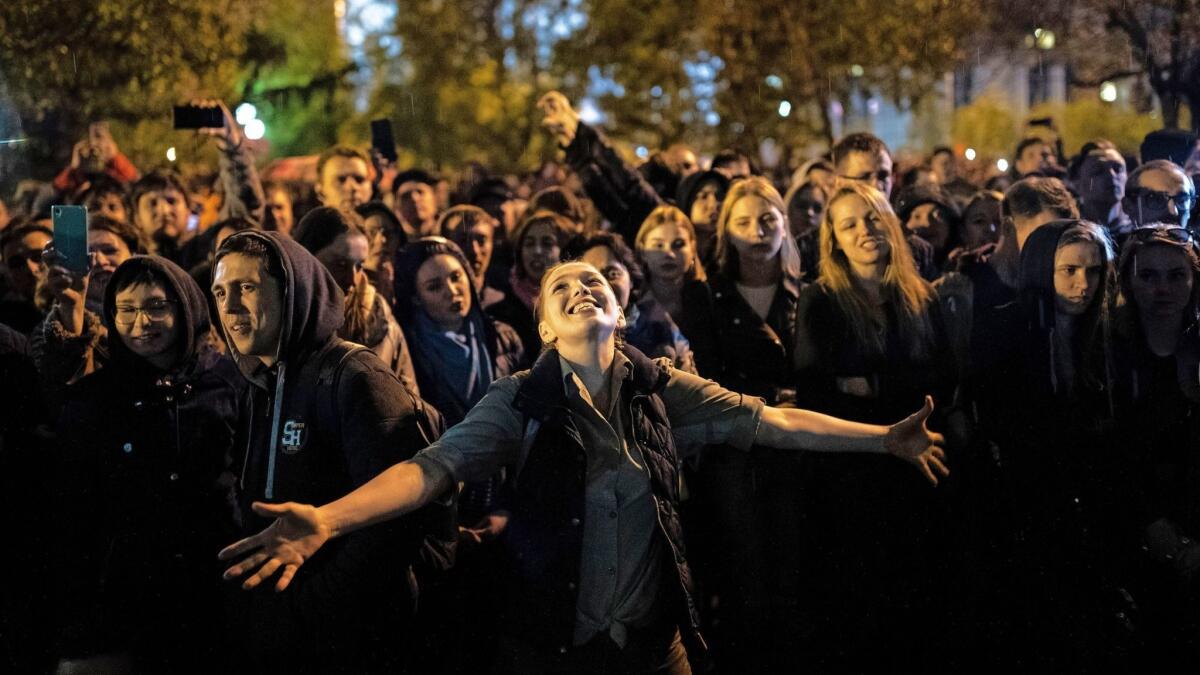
(1173, 233)
(126, 315)
(1184, 201)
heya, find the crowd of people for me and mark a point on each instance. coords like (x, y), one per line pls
(603, 418)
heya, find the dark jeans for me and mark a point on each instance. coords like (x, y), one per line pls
(656, 650)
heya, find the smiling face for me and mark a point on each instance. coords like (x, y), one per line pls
(539, 250)
(577, 306)
(1160, 281)
(756, 230)
(858, 233)
(669, 253)
(1077, 271)
(444, 291)
(250, 303)
(147, 319)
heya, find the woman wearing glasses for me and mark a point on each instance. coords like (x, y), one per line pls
(1158, 376)
(143, 457)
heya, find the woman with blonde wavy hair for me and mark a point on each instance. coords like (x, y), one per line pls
(869, 340)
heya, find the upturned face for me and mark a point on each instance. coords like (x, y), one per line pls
(756, 230)
(1078, 269)
(858, 232)
(577, 306)
(250, 304)
(147, 320)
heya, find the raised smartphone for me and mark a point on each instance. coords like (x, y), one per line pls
(71, 236)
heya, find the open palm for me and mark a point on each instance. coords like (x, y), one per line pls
(911, 440)
(295, 535)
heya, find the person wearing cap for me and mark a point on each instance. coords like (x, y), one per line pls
(416, 202)
(930, 213)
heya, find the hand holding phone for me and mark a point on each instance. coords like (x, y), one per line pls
(382, 140)
(71, 237)
(194, 116)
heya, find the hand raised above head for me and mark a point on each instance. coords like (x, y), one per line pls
(558, 116)
(297, 532)
(911, 440)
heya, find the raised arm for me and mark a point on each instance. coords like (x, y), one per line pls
(909, 439)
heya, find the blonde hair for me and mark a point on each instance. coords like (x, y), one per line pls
(725, 253)
(667, 214)
(902, 287)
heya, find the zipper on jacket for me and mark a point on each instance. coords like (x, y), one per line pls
(269, 493)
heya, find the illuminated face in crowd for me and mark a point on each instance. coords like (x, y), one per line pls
(1161, 196)
(859, 233)
(162, 211)
(108, 251)
(345, 258)
(1078, 268)
(539, 250)
(147, 320)
(1160, 281)
(1102, 177)
(416, 203)
(577, 305)
(279, 204)
(107, 204)
(873, 168)
(477, 243)
(756, 230)
(249, 301)
(345, 182)
(705, 207)
(603, 259)
(444, 291)
(669, 253)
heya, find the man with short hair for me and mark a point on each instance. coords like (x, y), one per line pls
(1160, 192)
(323, 416)
(161, 211)
(416, 202)
(733, 164)
(864, 158)
(944, 164)
(1035, 201)
(1034, 157)
(343, 177)
(1099, 178)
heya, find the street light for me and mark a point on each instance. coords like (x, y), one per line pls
(1108, 92)
(171, 154)
(1002, 164)
(785, 108)
(255, 129)
(970, 154)
(244, 113)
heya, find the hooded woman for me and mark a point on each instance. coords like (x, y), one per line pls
(339, 239)
(1051, 417)
(145, 442)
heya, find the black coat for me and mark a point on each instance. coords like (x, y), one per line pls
(145, 493)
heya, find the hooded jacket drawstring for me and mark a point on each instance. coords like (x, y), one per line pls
(278, 409)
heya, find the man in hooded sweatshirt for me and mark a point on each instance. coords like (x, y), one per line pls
(323, 416)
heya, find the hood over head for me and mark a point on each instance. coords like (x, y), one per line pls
(312, 302)
(689, 187)
(194, 323)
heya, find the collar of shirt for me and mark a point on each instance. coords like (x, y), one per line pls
(620, 371)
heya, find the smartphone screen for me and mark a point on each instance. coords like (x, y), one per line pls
(382, 139)
(71, 236)
(197, 117)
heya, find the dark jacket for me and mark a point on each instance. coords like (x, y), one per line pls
(146, 481)
(653, 332)
(736, 348)
(620, 193)
(512, 312)
(545, 535)
(312, 437)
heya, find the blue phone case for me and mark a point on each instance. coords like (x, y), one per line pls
(71, 236)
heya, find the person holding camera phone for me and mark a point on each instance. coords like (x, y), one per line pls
(95, 155)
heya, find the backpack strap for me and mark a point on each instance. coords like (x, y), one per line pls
(330, 364)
